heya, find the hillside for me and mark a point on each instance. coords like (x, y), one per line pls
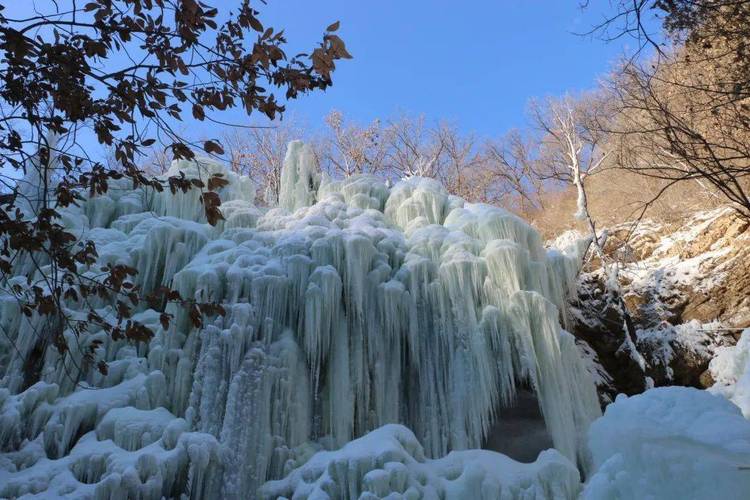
(687, 288)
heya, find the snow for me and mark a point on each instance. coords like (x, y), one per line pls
(660, 268)
(351, 306)
(670, 442)
(361, 191)
(101, 470)
(694, 337)
(600, 376)
(239, 189)
(572, 243)
(731, 371)
(416, 202)
(667, 270)
(389, 462)
(131, 429)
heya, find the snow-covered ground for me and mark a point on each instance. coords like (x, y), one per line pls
(389, 463)
(731, 371)
(668, 443)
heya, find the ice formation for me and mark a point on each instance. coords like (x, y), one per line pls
(670, 442)
(350, 306)
(390, 461)
(299, 177)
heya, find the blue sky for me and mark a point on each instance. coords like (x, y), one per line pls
(474, 63)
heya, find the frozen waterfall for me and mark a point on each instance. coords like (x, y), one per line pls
(350, 306)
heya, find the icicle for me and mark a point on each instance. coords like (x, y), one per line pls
(416, 197)
(299, 177)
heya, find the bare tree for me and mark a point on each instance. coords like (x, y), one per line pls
(570, 148)
(259, 153)
(680, 133)
(347, 148)
(461, 165)
(685, 114)
(719, 30)
(415, 148)
(572, 152)
(511, 164)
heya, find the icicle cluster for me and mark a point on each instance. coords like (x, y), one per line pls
(389, 462)
(351, 306)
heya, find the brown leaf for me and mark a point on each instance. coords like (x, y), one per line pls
(198, 113)
(256, 24)
(164, 320)
(213, 147)
(195, 316)
(216, 181)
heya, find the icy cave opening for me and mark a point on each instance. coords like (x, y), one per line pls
(521, 432)
(351, 306)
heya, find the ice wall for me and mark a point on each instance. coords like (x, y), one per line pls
(351, 306)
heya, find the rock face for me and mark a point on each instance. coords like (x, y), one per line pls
(687, 289)
(599, 323)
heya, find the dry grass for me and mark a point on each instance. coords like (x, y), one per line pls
(617, 196)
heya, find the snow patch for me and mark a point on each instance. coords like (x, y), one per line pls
(731, 371)
(670, 442)
(389, 462)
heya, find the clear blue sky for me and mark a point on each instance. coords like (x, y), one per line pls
(475, 63)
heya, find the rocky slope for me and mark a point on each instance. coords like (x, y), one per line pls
(687, 289)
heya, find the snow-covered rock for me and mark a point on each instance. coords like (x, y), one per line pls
(389, 462)
(687, 289)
